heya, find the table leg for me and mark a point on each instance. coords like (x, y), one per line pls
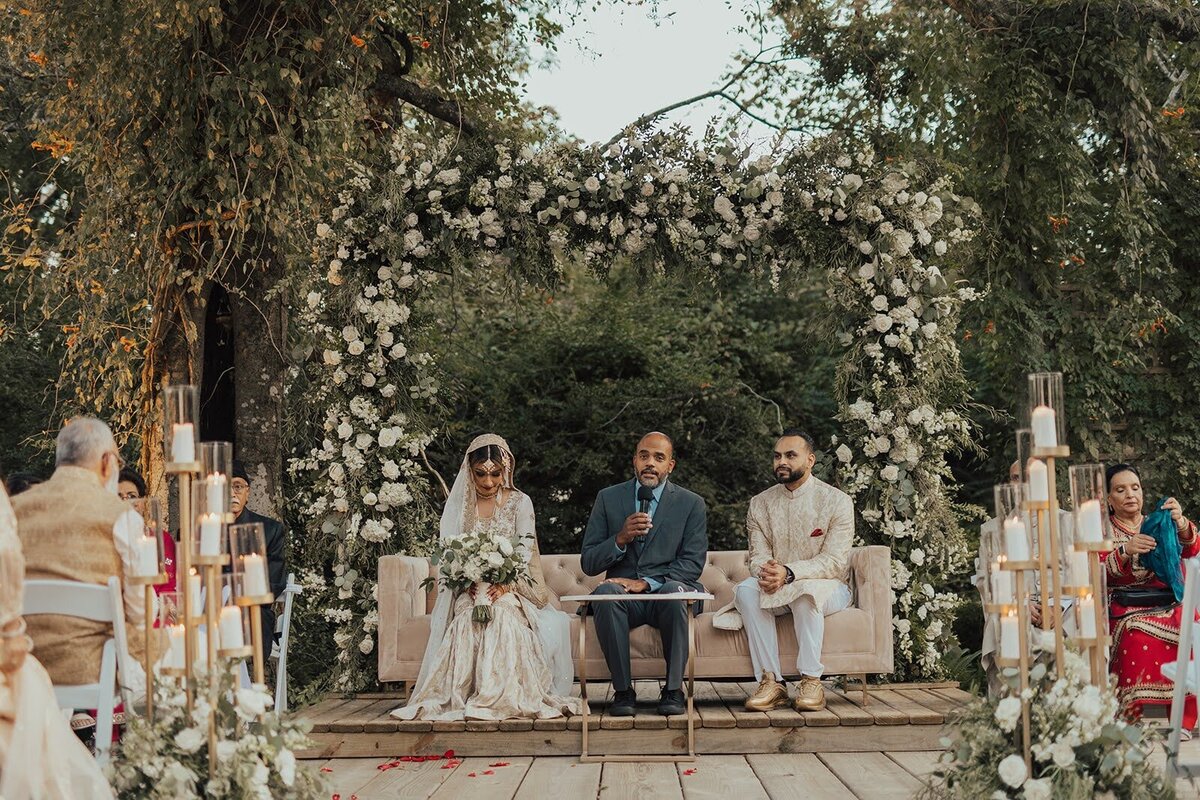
(691, 711)
(583, 681)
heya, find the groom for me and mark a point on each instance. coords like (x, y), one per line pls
(649, 536)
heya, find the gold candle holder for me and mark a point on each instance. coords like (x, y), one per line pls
(252, 583)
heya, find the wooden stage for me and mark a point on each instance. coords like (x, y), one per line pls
(898, 718)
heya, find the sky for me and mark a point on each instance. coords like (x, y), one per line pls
(619, 62)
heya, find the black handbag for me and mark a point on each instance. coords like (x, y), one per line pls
(1144, 598)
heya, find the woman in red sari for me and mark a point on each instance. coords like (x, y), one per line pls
(1144, 636)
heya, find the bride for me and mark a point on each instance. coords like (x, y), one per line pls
(519, 664)
(39, 755)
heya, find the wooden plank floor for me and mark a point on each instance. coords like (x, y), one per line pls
(767, 776)
(894, 720)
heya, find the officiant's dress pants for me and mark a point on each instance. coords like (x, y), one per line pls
(759, 623)
(614, 620)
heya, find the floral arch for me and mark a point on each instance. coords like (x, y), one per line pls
(882, 236)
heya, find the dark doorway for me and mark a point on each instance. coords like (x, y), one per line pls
(217, 392)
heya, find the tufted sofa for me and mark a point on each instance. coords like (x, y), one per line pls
(858, 640)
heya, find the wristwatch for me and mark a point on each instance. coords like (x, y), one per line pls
(791, 576)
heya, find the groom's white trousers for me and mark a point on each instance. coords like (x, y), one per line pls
(759, 624)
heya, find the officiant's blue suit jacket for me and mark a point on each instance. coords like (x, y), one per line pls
(675, 549)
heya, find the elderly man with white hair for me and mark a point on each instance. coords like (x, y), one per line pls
(74, 527)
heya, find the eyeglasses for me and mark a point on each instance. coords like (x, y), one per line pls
(239, 486)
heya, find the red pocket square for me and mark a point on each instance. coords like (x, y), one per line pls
(817, 532)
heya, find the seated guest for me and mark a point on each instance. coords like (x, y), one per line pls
(273, 535)
(800, 532)
(39, 757)
(659, 550)
(131, 488)
(1144, 615)
(73, 527)
(20, 481)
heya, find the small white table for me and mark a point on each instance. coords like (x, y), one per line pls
(689, 598)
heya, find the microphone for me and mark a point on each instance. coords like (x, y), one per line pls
(645, 495)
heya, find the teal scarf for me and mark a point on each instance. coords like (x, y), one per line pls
(1165, 559)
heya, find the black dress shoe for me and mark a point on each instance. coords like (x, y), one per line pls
(671, 702)
(623, 703)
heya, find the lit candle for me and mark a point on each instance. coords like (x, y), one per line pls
(214, 487)
(231, 628)
(202, 644)
(1010, 646)
(145, 557)
(194, 595)
(1045, 427)
(254, 576)
(1039, 482)
(1080, 573)
(183, 443)
(1091, 523)
(1016, 540)
(175, 657)
(1087, 617)
(1002, 584)
(210, 534)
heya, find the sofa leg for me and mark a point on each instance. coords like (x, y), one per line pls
(863, 678)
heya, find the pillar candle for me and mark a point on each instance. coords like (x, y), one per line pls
(1010, 646)
(145, 556)
(210, 534)
(183, 443)
(1080, 574)
(1087, 617)
(1039, 483)
(1091, 524)
(194, 594)
(175, 657)
(1002, 584)
(1044, 425)
(1016, 540)
(214, 489)
(231, 628)
(254, 576)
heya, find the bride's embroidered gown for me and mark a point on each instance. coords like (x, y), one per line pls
(504, 668)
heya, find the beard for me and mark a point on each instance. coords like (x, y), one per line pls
(650, 478)
(789, 475)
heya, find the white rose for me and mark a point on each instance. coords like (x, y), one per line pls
(368, 380)
(398, 350)
(879, 303)
(866, 271)
(881, 323)
(189, 739)
(844, 454)
(580, 217)
(370, 499)
(388, 437)
(917, 556)
(1063, 754)
(1037, 789)
(1012, 770)
(366, 645)
(349, 333)
(1008, 711)
(505, 546)
(314, 299)
(331, 358)
(390, 469)
(866, 248)
(345, 429)
(591, 184)
(252, 701)
(939, 247)
(356, 348)
(285, 763)
(323, 230)
(890, 473)
(386, 338)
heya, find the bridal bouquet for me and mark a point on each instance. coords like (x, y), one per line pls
(480, 559)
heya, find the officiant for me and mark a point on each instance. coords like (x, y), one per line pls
(275, 538)
(649, 536)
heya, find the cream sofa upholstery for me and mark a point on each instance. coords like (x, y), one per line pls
(858, 640)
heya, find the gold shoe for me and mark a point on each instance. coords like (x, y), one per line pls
(769, 694)
(811, 694)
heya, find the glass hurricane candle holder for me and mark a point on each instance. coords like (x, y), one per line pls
(233, 621)
(1076, 575)
(248, 549)
(1016, 541)
(1089, 500)
(146, 545)
(1047, 412)
(170, 619)
(216, 468)
(209, 543)
(181, 415)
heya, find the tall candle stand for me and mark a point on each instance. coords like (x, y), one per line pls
(1046, 513)
(1016, 613)
(248, 549)
(1093, 536)
(181, 420)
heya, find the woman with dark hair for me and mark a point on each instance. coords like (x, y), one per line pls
(131, 487)
(1144, 613)
(519, 664)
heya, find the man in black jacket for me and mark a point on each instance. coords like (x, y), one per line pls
(659, 550)
(273, 534)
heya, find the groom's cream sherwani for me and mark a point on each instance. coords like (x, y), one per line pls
(811, 531)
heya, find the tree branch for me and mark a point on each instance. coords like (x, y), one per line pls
(428, 100)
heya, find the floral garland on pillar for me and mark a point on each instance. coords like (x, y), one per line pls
(664, 202)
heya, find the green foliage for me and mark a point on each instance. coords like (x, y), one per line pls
(721, 371)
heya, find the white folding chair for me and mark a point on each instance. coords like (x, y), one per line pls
(1184, 665)
(96, 603)
(283, 626)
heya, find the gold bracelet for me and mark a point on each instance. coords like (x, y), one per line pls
(16, 632)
